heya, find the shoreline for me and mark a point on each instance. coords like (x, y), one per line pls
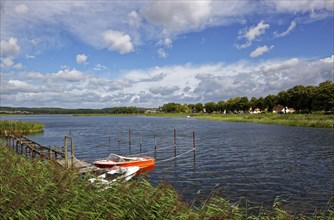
(316, 120)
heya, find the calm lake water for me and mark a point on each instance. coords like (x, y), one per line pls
(245, 160)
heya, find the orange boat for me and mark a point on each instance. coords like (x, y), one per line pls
(116, 160)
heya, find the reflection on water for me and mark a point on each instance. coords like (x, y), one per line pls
(245, 160)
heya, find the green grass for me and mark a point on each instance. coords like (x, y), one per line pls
(20, 127)
(301, 120)
(32, 189)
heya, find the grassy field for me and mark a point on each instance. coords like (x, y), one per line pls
(32, 189)
(20, 127)
(301, 120)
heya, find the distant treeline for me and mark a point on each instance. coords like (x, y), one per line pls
(303, 99)
(115, 110)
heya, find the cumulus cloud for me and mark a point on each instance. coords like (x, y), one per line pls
(21, 9)
(260, 51)
(328, 59)
(162, 53)
(292, 26)
(118, 41)
(252, 33)
(72, 75)
(164, 90)
(10, 47)
(135, 19)
(152, 87)
(177, 16)
(81, 58)
(143, 20)
(9, 50)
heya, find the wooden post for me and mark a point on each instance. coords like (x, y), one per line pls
(118, 137)
(140, 141)
(72, 153)
(174, 142)
(155, 142)
(194, 145)
(65, 152)
(129, 138)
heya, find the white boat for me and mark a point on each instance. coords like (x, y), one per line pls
(115, 174)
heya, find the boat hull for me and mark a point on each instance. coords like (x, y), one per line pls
(143, 163)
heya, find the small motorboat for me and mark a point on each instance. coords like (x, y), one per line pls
(115, 174)
(117, 160)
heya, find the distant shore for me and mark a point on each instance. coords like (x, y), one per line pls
(317, 120)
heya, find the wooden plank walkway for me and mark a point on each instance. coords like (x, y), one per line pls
(25, 146)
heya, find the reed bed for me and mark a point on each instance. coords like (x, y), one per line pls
(34, 189)
(20, 127)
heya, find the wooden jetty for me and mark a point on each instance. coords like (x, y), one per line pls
(25, 146)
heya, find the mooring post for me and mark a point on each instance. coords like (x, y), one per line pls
(72, 153)
(129, 138)
(155, 142)
(194, 145)
(65, 152)
(174, 142)
(118, 137)
(140, 141)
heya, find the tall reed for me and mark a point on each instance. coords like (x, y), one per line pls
(20, 127)
(34, 189)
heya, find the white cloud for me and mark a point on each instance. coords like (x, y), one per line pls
(152, 87)
(162, 53)
(303, 6)
(21, 9)
(81, 58)
(260, 51)
(7, 62)
(328, 60)
(10, 47)
(178, 16)
(135, 19)
(69, 75)
(292, 26)
(164, 90)
(252, 33)
(9, 50)
(143, 20)
(100, 67)
(118, 41)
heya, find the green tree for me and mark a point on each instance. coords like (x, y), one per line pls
(261, 104)
(283, 98)
(324, 97)
(221, 106)
(210, 107)
(243, 104)
(171, 107)
(253, 103)
(199, 107)
(270, 101)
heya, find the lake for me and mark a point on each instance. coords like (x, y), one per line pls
(246, 161)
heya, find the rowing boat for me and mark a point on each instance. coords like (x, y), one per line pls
(122, 161)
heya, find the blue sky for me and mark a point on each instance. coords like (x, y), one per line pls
(98, 54)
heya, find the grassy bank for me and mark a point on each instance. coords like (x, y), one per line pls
(39, 190)
(301, 120)
(20, 127)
